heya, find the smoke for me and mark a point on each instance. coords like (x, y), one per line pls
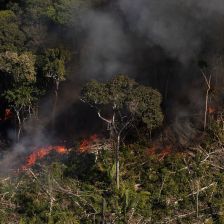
(179, 27)
(34, 137)
(107, 47)
(159, 40)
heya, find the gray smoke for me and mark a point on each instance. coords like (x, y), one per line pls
(184, 31)
(107, 47)
(179, 27)
(36, 137)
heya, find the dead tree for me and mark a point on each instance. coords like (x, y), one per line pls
(208, 85)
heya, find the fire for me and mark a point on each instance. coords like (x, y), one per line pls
(211, 110)
(160, 152)
(85, 145)
(165, 152)
(151, 151)
(7, 115)
(40, 153)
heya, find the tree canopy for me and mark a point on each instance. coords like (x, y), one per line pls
(128, 97)
(20, 66)
(11, 37)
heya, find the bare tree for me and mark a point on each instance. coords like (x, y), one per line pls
(208, 85)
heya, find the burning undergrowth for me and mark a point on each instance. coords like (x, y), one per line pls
(86, 146)
(41, 153)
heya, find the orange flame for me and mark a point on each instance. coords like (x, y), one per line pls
(7, 115)
(151, 151)
(211, 110)
(165, 152)
(159, 152)
(41, 153)
(85, 145)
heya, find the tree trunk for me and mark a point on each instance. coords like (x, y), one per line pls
(117, 161)
(208, 83)
(55, 103)
(116, 136)
(197, 196)
(206, 109)
(19, 125)
(103, 210)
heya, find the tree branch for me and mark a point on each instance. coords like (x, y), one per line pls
(104, 119)
(196, 192)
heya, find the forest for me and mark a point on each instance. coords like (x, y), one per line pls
(111, 112)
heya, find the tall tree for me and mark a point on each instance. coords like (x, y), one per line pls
(21, 67)
(23, 101)
(63, 12)
(129, 102)
(34, 23)
(11, 37)
(21, 94)
(54, 69)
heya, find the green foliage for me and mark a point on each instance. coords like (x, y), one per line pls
(216, 131)
(35, 10)
(20, 94)
(62, 11)
(54, 64)
(95, 93)
(151, 190)
(121, 90)
(82, 167)
(145, 103)
(34, 20)
(20, 66)
(124, 94)
(22, 97)
(11, 37)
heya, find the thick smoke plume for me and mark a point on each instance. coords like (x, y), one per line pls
(181, 28)
(159, 43)
(107, 46)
